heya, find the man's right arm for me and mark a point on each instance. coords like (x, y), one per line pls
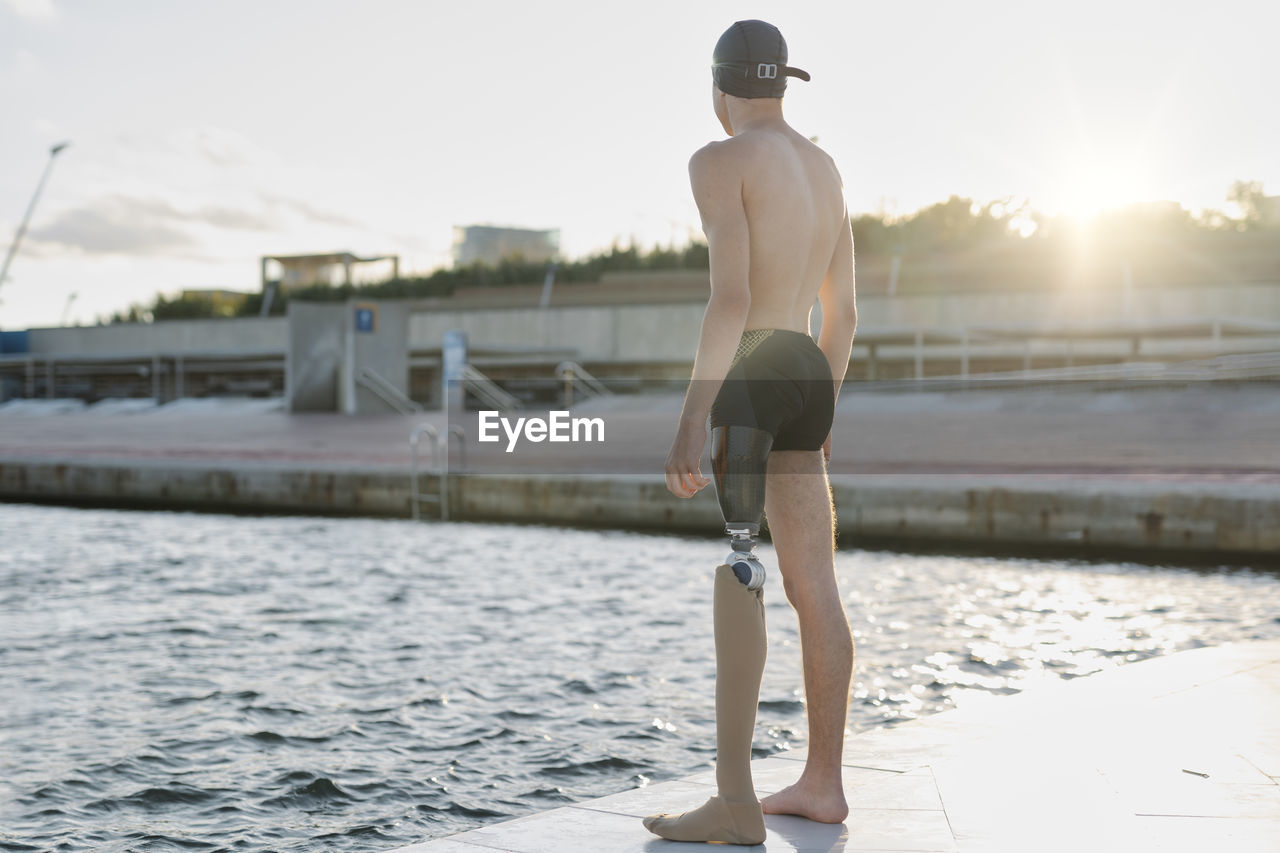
(839, 306)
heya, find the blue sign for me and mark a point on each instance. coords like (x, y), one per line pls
(453, 360)
(15, 342)
(366, 318)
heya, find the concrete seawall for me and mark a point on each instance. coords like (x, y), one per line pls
(1167, 475)
(1176, 522)
(614, 330)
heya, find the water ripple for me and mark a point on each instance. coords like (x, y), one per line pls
(208, 682)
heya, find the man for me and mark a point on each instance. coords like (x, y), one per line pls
(778, 231)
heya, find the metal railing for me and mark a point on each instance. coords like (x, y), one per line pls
(1235, 367)
(165, 374)
(439, 466)
(1122, 342)
(386, 392)
(571, 372)
(487, 390)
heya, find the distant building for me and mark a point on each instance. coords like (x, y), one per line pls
(304, 270)
(490, 244)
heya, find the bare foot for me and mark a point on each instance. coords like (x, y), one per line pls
(822, 804)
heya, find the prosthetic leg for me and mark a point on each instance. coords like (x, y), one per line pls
(738, 459)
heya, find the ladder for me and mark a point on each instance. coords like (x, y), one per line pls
(439, 465)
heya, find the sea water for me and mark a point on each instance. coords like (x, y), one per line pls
(211, 682)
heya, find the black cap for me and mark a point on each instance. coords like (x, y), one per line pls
(750, 61)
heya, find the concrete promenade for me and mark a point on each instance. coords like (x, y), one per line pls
(1180, 753)
(1175, 474)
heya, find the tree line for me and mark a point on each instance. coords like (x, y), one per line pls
(946, 228)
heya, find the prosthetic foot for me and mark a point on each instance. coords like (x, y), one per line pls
(715, 820)
(734, 815)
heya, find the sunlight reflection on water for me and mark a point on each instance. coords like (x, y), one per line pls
(344, 684)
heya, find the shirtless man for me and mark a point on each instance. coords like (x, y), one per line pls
(778, 231)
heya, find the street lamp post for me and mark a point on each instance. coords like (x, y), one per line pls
(22, 229)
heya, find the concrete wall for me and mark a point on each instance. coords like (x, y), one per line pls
(248, 334)
(621, 332)
(384, 350)
(1171, 521)
(327, 352)
(669, 332)
(314, 357)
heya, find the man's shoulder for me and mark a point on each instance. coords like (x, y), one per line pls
(720, 158)
(733, 149)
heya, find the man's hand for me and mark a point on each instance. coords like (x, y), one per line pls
(684, 462)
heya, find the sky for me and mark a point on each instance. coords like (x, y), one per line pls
(205, 135)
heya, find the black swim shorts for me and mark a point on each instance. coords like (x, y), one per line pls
(780, 382)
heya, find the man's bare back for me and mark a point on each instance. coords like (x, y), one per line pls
(794, 203)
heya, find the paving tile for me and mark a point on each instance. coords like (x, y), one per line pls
(1172, 763)
(804, 836)
(914, 790)
(1009, 803)
(1207, 835)
(672, 797)
(1197, 797)
(571, 829)
(449, 845)
(898, 829)
(772, 774)
(1263, 752)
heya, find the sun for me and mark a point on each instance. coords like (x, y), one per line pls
(1102, 181)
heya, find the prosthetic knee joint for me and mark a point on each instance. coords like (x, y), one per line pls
(739, 456)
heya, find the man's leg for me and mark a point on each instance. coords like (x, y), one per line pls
(734, 815)
(801, 524)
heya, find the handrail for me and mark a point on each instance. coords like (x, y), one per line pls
(439, 464)
(487, 390)
(414, 495)
(386, 392)
(461, 435)
(571, 370)
(1238, 366)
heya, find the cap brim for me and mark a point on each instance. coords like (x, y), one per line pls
(796, 72)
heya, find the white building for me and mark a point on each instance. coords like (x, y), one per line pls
(490, 244)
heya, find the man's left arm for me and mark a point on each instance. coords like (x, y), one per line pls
(717, 189)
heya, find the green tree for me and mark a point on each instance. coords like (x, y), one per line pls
(1252, 202)
(183, 308)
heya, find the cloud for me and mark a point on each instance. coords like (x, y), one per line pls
(219, 217)
(120, 224)
(222, 146)
(228, 181)
(311, 214)
(111, 227)
(32, 10)
(229, 217)
(133, 225)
